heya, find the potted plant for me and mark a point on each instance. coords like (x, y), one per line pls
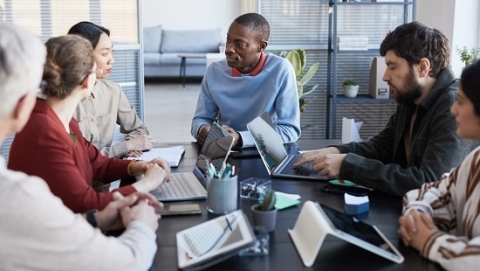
(350, 88)
(265, 214)
(468, 56)
(298, 59)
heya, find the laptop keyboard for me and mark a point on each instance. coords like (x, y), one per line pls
(304, 170)
(182, 186)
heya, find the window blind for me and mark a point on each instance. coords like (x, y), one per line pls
(304, 24)
(49, 18)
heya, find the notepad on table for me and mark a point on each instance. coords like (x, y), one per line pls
(172, 155)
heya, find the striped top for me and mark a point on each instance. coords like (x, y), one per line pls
(454, 203)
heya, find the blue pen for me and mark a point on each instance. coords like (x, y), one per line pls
(227, 172)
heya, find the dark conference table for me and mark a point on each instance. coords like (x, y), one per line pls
(334, 253)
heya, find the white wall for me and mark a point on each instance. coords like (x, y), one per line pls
(190, 14)
(459, 20)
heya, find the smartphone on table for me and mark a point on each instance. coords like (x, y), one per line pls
(172, 209)
(342, 189)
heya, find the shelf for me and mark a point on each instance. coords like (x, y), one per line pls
(365, 3)
(369, 19)
(361, 98)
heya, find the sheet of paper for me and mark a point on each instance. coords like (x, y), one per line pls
(284, 201)
(171, 154)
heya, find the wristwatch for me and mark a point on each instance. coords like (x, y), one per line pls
(91, 218)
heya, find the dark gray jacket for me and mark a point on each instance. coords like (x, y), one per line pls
(380, 162)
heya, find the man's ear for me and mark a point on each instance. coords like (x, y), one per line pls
(424, 67)
(263, 45)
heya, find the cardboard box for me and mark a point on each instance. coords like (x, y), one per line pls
(378, 88)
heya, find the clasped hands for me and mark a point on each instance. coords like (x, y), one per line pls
(415, 228)
(325, 161)
(120, 212)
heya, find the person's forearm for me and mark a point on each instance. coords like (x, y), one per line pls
(115, 151)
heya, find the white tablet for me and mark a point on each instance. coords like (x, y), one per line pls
(213, 241)
(315, 222)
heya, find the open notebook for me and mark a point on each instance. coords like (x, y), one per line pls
(173, 155)
(213, 241)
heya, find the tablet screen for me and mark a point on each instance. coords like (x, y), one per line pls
(356, 228)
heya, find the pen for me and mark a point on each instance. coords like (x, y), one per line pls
(227, 172)
(214, 170)
(228, 224)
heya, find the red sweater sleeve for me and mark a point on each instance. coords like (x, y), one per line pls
(68, 163)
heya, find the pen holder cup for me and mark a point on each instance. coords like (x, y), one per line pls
(222, 195)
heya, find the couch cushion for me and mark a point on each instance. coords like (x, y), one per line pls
(152, 36)
(190, 41)
(151, 58)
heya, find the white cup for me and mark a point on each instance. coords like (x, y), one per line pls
(222, 195)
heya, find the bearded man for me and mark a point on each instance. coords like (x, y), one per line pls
(419, 143)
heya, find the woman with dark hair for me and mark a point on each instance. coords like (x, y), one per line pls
(52, 146)
(442, 219)
(108, 105)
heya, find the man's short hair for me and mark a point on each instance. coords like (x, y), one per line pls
(414, 41)
(256, 22)
(22, 56)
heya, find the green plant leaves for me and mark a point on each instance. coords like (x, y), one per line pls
(298, 59)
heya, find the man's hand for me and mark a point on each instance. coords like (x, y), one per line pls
(325, 161)
(233, 133)
(109, 218)
(415, 228)
(202, 134)
(140, 143)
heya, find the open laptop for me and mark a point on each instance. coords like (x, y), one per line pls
(213, 241)
(183, 186)
(274, 156)
(316, 221)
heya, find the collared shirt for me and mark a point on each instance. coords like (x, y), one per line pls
(99, 114)
(258, 68)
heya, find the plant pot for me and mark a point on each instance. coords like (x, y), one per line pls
(265, 219)
(350, 91)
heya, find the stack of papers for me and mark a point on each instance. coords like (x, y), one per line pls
(173, 155)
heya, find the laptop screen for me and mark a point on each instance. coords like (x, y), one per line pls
(268, 142)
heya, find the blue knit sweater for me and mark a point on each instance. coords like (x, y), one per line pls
(239, 100)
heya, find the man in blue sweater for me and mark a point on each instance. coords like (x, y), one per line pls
(246, 84)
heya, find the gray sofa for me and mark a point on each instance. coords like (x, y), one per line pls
(161, 48)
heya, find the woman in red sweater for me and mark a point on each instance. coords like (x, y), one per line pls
(52, 146)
